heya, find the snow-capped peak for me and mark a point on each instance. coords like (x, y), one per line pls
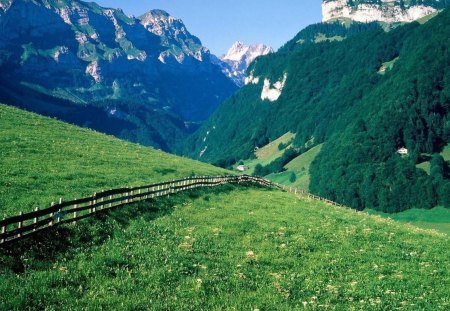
(236, 52)
(241, 52)
(5, 4)
(239, 57)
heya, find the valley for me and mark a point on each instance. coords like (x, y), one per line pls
(361, 116)
(311, 174)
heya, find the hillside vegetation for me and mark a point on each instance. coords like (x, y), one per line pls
(334, 93)
(43, 159)
(437, 218)
(236, 248)
(300, 168)
(268, 153)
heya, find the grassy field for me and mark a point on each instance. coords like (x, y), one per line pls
(426, 165)
(269, 152)
(43, 159)
(437, 218)
(234, 249)
(300, 166)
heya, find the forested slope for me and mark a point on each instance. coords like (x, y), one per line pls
(366, 97)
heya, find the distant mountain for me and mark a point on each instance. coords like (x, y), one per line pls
(389, 11)
(364, 97)
(238, 58)
(144, 79)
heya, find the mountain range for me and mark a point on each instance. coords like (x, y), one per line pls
(144, 79)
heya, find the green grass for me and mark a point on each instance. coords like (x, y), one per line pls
(323, 38)
(437, 218)
(234, 249)
(269, 152)
(43, 159)
(387, 66)
(426, 165)
(428, 17)
(300, 166)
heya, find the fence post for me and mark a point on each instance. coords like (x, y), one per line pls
(110, 199)
(51, 215)
(75, 213)
(58, 219)
(3, 231)
(20, 225)
(94, 201)
(101, 200)
(35, 220)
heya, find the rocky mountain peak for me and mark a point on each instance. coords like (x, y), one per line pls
(159, 21)
(388, 11)
(5, 4)
(174, 36)
(236, 61)
(236, 51)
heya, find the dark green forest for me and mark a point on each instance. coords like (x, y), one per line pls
(359, 166)
(335, 93)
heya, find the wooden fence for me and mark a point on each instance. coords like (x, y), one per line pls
(307, 194)
(26, 224)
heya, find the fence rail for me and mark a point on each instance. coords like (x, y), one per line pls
(307, 194)
(26, 224)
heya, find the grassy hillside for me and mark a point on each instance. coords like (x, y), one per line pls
(437, 218)
(44, 159)
(426, 165)
(299, 166)
(269, 152)
(244, 249)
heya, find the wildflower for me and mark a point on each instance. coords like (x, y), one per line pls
(198, 283)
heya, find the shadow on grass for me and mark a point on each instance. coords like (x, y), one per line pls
(40, 251)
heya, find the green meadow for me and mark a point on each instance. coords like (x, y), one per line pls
(43, 159)
(300, 167)
(437, 218)
(231, 248)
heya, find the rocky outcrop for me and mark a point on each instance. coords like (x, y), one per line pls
(389, 11)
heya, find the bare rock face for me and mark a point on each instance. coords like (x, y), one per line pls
(150, 69)
(388, 11)
(173, 34)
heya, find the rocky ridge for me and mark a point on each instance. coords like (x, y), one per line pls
(150, 71)
(388, 11)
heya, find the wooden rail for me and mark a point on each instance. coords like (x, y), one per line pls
(26, 224)
(307, 194)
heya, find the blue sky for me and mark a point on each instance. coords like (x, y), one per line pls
(219, 23)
